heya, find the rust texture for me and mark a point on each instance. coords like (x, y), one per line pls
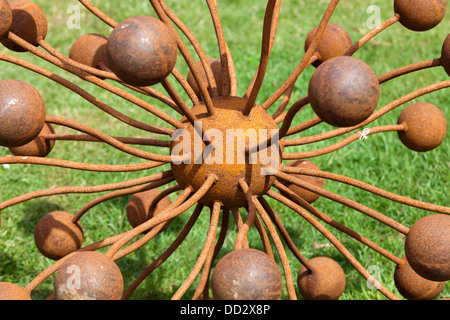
(344, 91)
(56, 235)
(28, 22)
(427, 249)
(22, 113)
(246, 274)
(99, 278)
(141, 51)
(420, 15)
(226, 137)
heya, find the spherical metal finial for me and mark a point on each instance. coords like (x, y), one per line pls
(344, 91)
(445, 55)
(246, 274)
(414, 287)
(93, 276)
(420, 15)
(90, 49)
(5, 17)
(11, 291)
(39, 146)
(317, 181)
(427, 248)
(216, 69)
(56, 235)
(335, 42)
(142, 51)
(426, 127)
(142, 207)
(28, 22)
(325, 280)
(22, 113)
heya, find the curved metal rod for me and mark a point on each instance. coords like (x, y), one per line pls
(316, 224)
(209, 244)
(342, 143)
(269, 30)
(408, 69)
(371, 34)
(100, 14)
(187, 57)
(286, 237)
(107, 139)
(376, 115)
(119, 193)
(79, 165)
(223, 48)
(92, 79)
(345, 201)
(243, 230)
(239, 223)
(196, 45)
(203, 284)
(90, 189)
(126, 140)
(279, 246)
(306, 58)
(85, 95)
(166, 216)
(163, 257)
(300, 201)
(367, 187)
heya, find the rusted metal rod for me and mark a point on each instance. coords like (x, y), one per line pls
(100, 14)
(243, 230)
(365, 186)
(334, 241)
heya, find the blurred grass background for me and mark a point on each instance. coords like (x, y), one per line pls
(381, 160)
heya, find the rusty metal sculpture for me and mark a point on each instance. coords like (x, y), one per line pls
(142, 51)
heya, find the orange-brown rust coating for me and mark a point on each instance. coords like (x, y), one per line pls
(427, 249)
(56, 235)
(246, 274)
(445, 55)
(28, 22)
(307, 195)
(5, 17)
(10, 291)
(414, 287)
(38, 147)
(426, 127)
(335, 42)
(141, 51)
(22, 113)
(233, 165)
(216, 69)
(420, 15)
(90, 49)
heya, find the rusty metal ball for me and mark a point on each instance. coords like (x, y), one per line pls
(335, 42)
(90, 49)
(317, 181)
(5, 18)
(28, 22)
(426, 127)
(216, 68)
(88, 275)
(142, 207)
(229, 162)
(56, 235)
(142, 51)
(414, 287)
(427, 247)
(344, 91)
(38, 147)
(11, 291)
(325, 280)
(420, 15)
(246, 274)
(445, 55)
(22, 113)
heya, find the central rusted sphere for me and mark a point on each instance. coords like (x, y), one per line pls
(231, 133)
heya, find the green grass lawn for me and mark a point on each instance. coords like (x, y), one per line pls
(381, 160)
